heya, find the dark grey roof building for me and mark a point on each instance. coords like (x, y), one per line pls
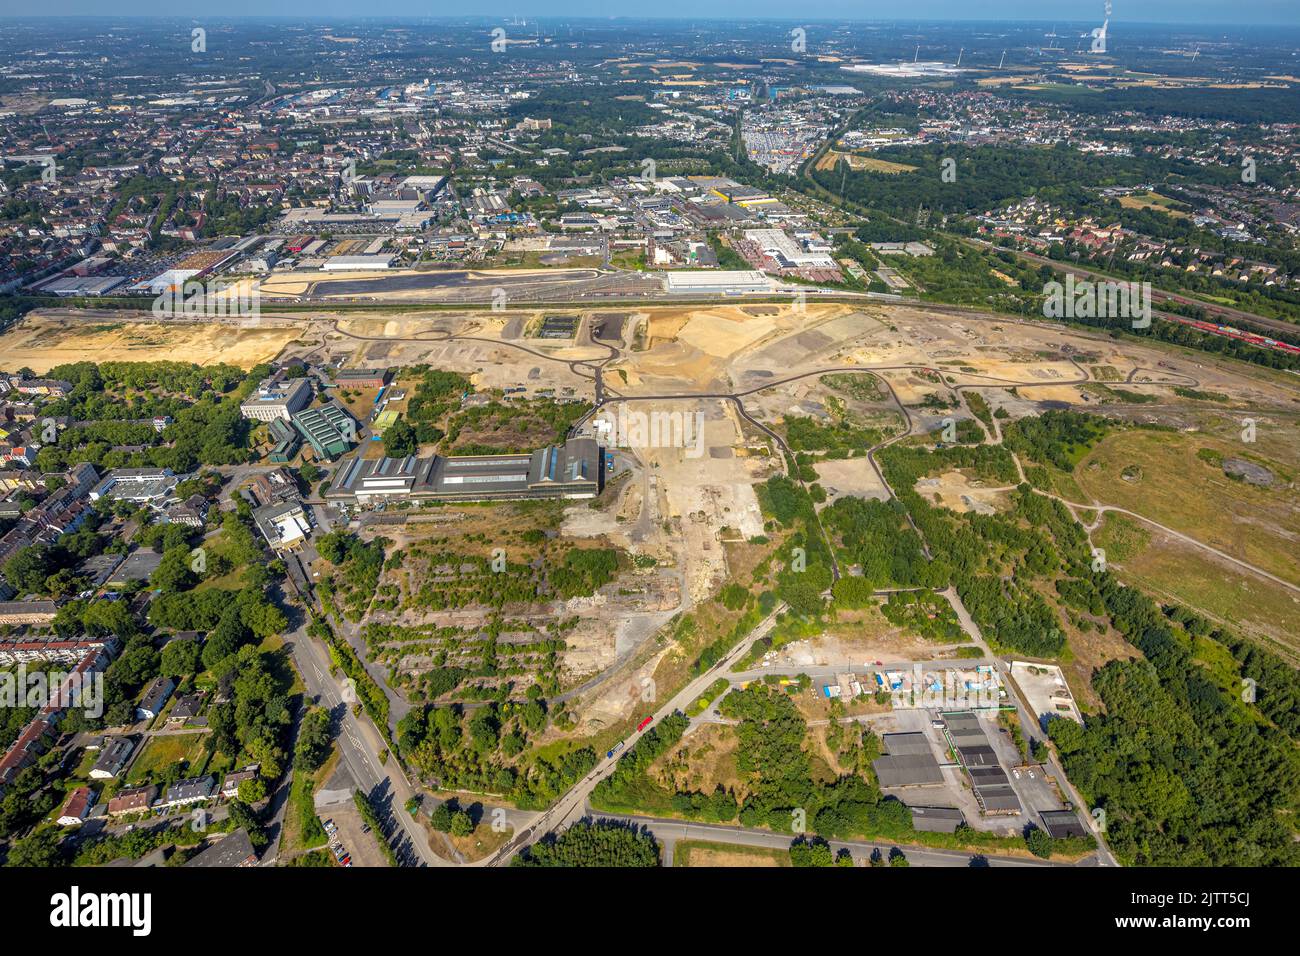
(913, 742)
(993, 790)
(100, 567)
(937, 819)
(997, 799)
(988, 776)
(907, 770)
(963, 728)
(113, 757)
(187, 707)
(139, 565)
(154, 698)
(569, 470)
(236, 849)
(978, 755)
(189, 791)
(1062, 823)
(909, 763)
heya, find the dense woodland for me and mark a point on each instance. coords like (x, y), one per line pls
(112, 405)
(593, 843)
(1183, 770)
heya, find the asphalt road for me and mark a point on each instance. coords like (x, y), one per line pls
(460, 286)
(359, 748)
(670, 832)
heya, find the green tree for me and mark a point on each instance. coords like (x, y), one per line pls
(1038, 842)
(399, 440)
(313, 744)
(815, 852)
(599, 843)
(243, 817)
(441, 817)
(252, 791)
(180, 658)
(29, 567)
(173, 573)
(40, 849)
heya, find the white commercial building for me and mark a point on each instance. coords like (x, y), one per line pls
(358, 263)
(718, 282)
(781, 247)
(277, 399)
(284, 525)
(137, 485)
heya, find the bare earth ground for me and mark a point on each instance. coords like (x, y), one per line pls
(41, 342)
(683, 510)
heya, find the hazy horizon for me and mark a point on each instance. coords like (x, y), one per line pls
(1154, 12)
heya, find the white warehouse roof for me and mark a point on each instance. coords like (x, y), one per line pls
(733, 281)
(358, 262)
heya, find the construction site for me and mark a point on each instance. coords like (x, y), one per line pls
(756, 381)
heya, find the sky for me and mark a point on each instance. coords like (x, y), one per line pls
(1141, 11)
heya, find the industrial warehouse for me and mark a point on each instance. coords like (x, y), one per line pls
(989, 781)
(717, 282)
(570, 470)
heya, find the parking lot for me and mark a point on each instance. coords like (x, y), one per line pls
(352, 834)
(336, 847)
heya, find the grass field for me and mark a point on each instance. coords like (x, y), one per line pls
(313, 858)
(703, 761)
(302, 827)
(164, 751)
(865, 388)
(864, 163)
(482, 841)
(1150, 200)
(1174, 572)
(1171, 481)
(628, 259)
(705, 853)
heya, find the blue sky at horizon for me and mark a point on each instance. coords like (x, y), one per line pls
(1185, 12)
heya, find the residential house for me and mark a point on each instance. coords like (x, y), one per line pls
(154, 698)
(235, 849)
(230, 787)
(27, 612)
(80, 802)
(132, 800)
(193, 511)
(186, 707)
(113, 758)
(185, 792)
